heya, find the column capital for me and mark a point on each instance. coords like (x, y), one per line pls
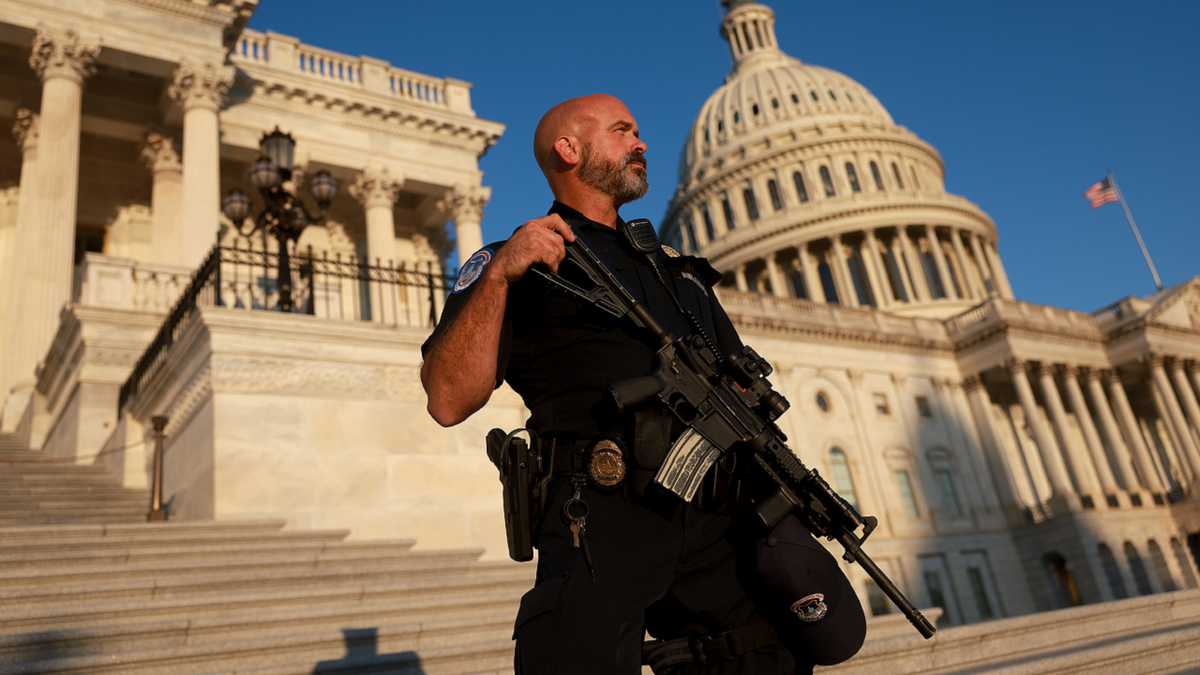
(1194, 367)
(377, 187)
(200, 85)
(1175, 364)
(1111, 377)
(1070, 372)
(160, 152)
(972, 382)
(25, 130)
(59, 53)
(1015, 365)
(465, 202)
(1045, 369)
(1152, 360)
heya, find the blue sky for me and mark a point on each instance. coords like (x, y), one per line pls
(1029, 103)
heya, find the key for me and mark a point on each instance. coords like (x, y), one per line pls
(575, 532)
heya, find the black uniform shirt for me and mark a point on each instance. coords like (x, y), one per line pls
(560, 353)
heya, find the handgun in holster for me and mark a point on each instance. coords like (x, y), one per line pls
(523, 477)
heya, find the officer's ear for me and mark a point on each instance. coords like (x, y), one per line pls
(569, 150)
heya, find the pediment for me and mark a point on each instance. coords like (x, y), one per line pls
(1180, 308)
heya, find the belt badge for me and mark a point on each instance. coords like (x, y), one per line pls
(606, 466)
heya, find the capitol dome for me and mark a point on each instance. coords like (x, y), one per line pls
(795, 181)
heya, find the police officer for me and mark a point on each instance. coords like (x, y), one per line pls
(617, 557)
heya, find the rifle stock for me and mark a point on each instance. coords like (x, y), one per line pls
(727, 405)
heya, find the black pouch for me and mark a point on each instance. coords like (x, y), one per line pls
(651, 442)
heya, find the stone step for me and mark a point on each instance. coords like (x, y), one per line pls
(468, 597)
(64, 520)
(1151, 634)
(399, 648)
(47, 503)
(219, 553)
(180, 531)
(162, 572)
(164, 634)
(53, 490)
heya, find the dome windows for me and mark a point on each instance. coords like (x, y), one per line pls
(832, 96)
(876, 176)
(801, 190)
(795, 98)
(814, 95)
(708, 223)
(775, 103)
(849, 98)
(736, 117)
(721, 128)
(827, 181)
(727, 210)
(751, 203)
(754, 109)
(852, 175)
(896, 173)
(776, 197)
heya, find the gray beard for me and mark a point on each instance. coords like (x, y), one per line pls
(611, 178)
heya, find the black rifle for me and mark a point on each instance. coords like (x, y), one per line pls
(727, 405)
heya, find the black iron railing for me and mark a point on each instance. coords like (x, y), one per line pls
(333, 287)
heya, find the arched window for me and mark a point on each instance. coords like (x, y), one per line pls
(800, 189)
(1139, 570)
(1189, 577)
(896, 173)
(876, 176)
(832, 96)
(1062, 581)
(751, 203)
(827, 180)
(853, 176)
(727, 210)
(827, 285)
(798, 287)
(907, 495)
(814, 95)
(949, 495)
(843, 482)
(1160, 567)
(1109, 563)
(708, 224)
(861, 288)
(776, 198)
(795, 99)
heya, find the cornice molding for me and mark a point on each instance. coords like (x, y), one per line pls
(837, 334)
(193, 10)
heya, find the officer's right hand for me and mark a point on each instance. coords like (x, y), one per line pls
(540, 240)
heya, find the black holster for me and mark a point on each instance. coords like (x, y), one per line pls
(523, 475)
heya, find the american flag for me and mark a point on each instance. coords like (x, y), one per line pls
(1101, 193)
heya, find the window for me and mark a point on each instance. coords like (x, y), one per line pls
(949, 496)
(1160, 566)
(727, 210)
(800, 189)
(776, 197)
(937, 598)
(754, 108)
(832, 96)
(881, 404)
(906, 494)
(823, 401)
(798, 287)
(859, 280)
(923, 408)
(1109, 563)
(876, 176)
(736, 117)
(827, 285)
(686, 231)
(839, 468)
(879, 603)
(975, 578)
(1138, 568)
(751, 203)
(775, 103)
(853, 176)
(814, 95)
(896, 173)
(708, 224)
(795, 99)
(913, 171)
(1189, 578)
(827, 180)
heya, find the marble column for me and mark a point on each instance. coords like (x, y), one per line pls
(24, 242)
(62, 60)
(464, 205)
(1187, 442)
(868, 252)
(966, 277)
(166, 198)
(812, 278)
(1122, 461)
(1186, 396)
(200, 90)
(924, 291)
(939, 262)
(998, 273)
(1018, 491)
(1141, 454)
(1104, 472)
(847, 294)
(1080, 465)
(983, 266)
(1056, 470)
(1194, 371)
(377, 190)
(897, 252)
(778, 283)
(1171, 461)
(739, 277)
(888, 295)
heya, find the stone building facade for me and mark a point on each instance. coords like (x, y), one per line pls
(1019, 457)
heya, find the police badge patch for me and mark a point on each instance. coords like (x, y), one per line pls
(472, 269)
(606, 464)
(810, 608)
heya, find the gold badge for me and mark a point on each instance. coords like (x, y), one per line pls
(670, 251)
(606, 467)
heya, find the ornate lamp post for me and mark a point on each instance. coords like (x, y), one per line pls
(284, 215)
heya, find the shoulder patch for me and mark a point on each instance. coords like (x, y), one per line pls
(472, 269)
(670, 251)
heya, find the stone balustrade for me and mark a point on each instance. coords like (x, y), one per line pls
(121, 283)
(784, 309)
(1015, 311)
(280, 52)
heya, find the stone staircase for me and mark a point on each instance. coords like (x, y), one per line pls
(87, 588)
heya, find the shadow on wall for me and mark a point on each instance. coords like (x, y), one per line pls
(362, 652)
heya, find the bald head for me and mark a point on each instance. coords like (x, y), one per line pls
(571, 118)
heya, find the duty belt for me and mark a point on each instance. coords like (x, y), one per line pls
(663, 655)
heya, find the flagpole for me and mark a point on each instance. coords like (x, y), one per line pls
(1113, 181)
